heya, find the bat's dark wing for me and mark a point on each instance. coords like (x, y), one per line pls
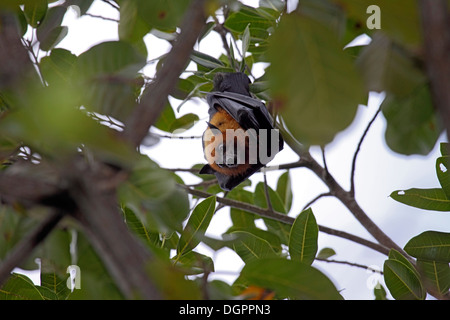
(248, 112)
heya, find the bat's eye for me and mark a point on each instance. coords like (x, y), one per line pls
(231, 162)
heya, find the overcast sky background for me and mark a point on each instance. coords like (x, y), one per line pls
(379, 171)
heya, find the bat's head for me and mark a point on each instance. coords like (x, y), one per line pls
(236, 82)
(225, 145)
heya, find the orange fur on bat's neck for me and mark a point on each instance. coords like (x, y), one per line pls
(223, 121)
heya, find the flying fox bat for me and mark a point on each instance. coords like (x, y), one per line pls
(240, 138)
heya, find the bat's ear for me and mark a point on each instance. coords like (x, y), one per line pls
(207, 169)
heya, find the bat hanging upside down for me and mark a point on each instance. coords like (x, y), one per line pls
(240, 138)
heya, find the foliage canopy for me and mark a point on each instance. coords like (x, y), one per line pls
(68, 107)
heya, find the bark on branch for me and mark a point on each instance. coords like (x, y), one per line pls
(436, 35)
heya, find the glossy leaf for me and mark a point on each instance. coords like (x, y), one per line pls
(443, 173)
(401, 278)
(35, 12)
(428, 199)
(196, 226)
(430, 245)
(284, 190)
(327, 102)
(20, 287)
(412, 125)
(50, 30)
(250, 247)
(238, 21)
(288, 278)
(282, 230)
(58, 66)
(195, 263)
(206, 60)
(303, 237)
(436, 275)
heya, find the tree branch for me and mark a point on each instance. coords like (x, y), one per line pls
(285, 219)
(124, 256)
(155, 96)
(352, 173)
(435, 29)
(336, 190)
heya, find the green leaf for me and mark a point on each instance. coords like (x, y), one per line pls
(171, 281)
(284, 190)
(35, 12)
(402, 282)
(163, 15)
(250, 247)
(289, 279)
(303, 237)
(195, 263)
(241, 218)
(151, 239)
(412, 125)
(327, 13)
(428, 199)
(58, 66)
(50, 30)
(206, 60)
(245, 40)
(326, 253)
(20, 287)
(132, 27)
(54, 37)
(238, 21)
(96, 282)
(307, 64)
(443, 174)
(436, 275)
(107, 73)
(400, 20)
(55, 286)
(83, 5)
(196, 226)
(379, 292)
(430, 245)
(149, 193)
(282, 230)
(445, 148)
(401, 278)
(386, 66)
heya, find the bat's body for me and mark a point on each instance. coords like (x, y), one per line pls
(236, 131)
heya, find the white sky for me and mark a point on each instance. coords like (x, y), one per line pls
(379, 172)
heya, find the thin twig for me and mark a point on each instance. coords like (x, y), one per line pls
(101, 17)
(112, 4)
(309, 204)
(352, 173)
(353, 264)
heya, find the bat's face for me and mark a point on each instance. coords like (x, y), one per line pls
(225, 145)
(238, 141)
